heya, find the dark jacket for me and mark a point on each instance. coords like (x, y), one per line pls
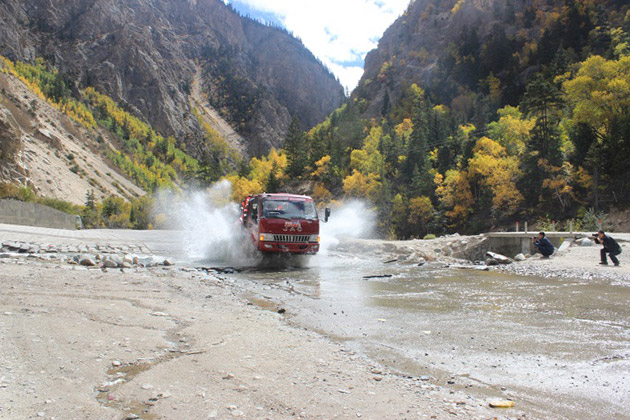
(610, 244)
(544, 246)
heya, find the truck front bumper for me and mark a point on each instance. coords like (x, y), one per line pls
(288, 248)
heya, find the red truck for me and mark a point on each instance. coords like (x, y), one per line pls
(282, 223)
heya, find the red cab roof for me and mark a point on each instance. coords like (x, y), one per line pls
(285, 196)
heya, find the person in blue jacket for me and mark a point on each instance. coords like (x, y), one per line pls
(611, 247)
(543, 244)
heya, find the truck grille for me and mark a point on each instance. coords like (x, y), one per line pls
(291, 238)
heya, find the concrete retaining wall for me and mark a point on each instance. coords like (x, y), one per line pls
(512, 243)
(16, 212)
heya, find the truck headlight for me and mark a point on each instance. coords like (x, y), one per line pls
(265, 237)
(314, 238)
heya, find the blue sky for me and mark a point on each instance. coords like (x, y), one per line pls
(339, 32)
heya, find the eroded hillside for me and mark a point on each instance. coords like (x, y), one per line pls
(54, 155)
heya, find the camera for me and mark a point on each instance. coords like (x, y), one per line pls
(595, 235)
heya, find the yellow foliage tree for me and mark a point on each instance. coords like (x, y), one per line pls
(321, 195)
(492, 168)
(361, 186)
(420, 211)
(455, 194)
(600, 91)
(260, 169)
(242, 187)
(322, 168)
(511, 131)
(369, 159)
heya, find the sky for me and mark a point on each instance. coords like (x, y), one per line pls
(338, 32)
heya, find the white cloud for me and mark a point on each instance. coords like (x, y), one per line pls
(338, 32)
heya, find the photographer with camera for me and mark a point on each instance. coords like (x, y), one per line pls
(610, 247)
(543, 244)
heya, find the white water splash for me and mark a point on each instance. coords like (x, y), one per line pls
(351, 220)
(209, 224)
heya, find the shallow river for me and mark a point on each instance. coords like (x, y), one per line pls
(560, 348)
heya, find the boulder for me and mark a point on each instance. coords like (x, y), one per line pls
(110, 264)
(519, 257)
(586, 242)
(87, 261)
(497, 258)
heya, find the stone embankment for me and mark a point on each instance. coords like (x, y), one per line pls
(99, 256)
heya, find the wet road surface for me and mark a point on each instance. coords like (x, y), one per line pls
(559, 348)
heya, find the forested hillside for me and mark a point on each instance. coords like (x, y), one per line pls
(473, 114)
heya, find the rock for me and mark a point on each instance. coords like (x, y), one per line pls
(128, 258)
(519, 257)
(586, 242)
(51, 249)
(12, 246)
(148, 261)
(500, 259)
(502, 404)
(169, 262)
(116, 363)
(87, 261)
(491, 262)
(110, 264)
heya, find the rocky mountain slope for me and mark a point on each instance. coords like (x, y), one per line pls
(53, 155)
(460, 49)
(145, 55)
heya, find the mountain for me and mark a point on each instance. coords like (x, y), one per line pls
(472, 114)
(460, 50)
(173, 63)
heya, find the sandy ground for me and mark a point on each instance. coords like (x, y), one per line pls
(174, 344)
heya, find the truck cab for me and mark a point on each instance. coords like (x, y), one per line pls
(282, 223)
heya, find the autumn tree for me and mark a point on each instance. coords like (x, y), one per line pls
(496, 173)
(600, 95)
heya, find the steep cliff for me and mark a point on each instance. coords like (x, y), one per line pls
(145, 54)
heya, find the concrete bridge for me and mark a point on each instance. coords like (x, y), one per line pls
(512, 243)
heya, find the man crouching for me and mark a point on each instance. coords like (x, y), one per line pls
(610, 247)
(544, 245)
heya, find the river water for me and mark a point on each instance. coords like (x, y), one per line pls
(559, 347)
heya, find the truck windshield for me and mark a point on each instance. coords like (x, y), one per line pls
(288, 209)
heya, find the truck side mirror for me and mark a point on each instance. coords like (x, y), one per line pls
(326, 214)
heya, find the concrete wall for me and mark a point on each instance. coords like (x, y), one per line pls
(512, 243)
(16, 212)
